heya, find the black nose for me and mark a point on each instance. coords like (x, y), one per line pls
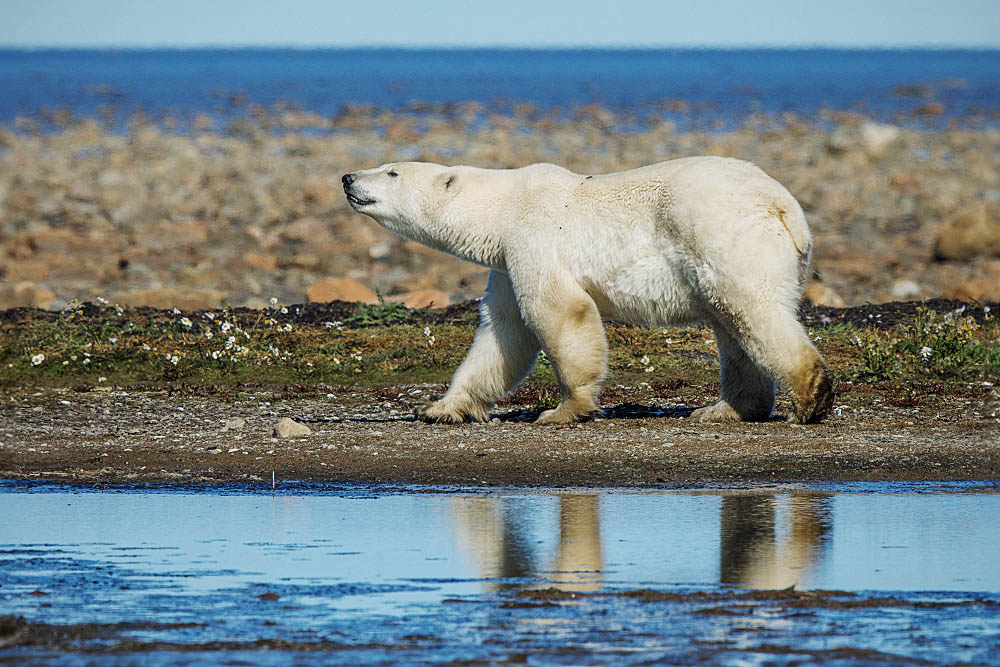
(347, 179)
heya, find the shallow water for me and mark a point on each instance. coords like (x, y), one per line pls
(369, 573)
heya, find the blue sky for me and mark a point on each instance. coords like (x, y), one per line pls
(541, 23)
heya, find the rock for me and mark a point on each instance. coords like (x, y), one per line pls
(260, 261)
(289, 428)
(906, 289)
(424, 298)
(171, 297)
(878, 137)
(991, 406)
(974, 231)
(340, 289)
(380, 250)
(25, 294)
(824, 295)
(842, 139)
(234, 424)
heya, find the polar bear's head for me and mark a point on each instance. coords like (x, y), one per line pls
(407, 198)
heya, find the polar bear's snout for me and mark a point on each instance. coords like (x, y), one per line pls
(355, 196)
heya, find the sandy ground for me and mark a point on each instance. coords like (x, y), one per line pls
(127, 437)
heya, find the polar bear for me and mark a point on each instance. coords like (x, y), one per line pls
(694, 239)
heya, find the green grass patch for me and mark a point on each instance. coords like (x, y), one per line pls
(387, 344)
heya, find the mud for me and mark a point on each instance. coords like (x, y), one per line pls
(371, 436)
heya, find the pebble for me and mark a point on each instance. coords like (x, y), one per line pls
(234, 424)
(289, 428)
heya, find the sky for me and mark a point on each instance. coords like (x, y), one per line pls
(520, 23)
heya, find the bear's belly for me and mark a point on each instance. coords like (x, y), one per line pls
(650, 291)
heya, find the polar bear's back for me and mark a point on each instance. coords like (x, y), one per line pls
(716, 197)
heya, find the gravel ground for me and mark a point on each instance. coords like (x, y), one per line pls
(127, 437)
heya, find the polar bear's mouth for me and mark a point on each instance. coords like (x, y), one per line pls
(358, 201)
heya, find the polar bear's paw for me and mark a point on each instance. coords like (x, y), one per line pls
(720, 412)
(441, 412)
(566, 413)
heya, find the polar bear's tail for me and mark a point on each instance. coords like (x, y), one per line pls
(793, 220)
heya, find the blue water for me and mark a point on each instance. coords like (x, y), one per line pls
(417, 575)
(718, 86)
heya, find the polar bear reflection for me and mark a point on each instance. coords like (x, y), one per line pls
(767, 541)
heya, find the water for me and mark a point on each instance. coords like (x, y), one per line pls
(719, 86)
(361, 573)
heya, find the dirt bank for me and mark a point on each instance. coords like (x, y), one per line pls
(117, 436)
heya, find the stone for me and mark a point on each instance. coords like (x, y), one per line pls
(991, 406)
(973, 231)
(289, 428)
(234, 424)
(906, 289)
(25, 294)
(877, 138)
(171, 297)
(340, 289)
(260, 261)
(824, 295)
(424, 298)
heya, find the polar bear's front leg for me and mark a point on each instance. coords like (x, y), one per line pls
(567, 322)
(500, 358)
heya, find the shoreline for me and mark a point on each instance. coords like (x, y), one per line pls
(142, 437)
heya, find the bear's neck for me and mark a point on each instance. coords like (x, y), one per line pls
(466, 237)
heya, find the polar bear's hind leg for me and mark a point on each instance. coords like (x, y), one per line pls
(747, 389)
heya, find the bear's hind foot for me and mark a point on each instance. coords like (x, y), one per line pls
(812, 394)
(719, 412)
(569, 412)
(440, 412)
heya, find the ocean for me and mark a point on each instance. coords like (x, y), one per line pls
(713, 87)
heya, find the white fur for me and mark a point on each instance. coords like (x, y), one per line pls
(701, 238)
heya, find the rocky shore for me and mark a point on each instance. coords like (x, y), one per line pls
(201, 218)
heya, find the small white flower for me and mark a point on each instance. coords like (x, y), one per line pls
(287, 327)
(645, 360)
(174, 359)
(427, 331)
(274, 301)
(336, 361)
(101, 300)
(431, 340)
(226, 326)
(102, 379)
(284, 311)
(146, 347)
(208, 335)
(925, 353)
(176, 311)
(650, 369)
(37, 359)
(113, 340)
(86, 361)
(215, 354)
(186, 322)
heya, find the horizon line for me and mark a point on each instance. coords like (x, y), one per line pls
(501, 47)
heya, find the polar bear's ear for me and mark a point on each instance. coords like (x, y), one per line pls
(447, 181)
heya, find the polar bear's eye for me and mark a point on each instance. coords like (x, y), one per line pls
(393, 173)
